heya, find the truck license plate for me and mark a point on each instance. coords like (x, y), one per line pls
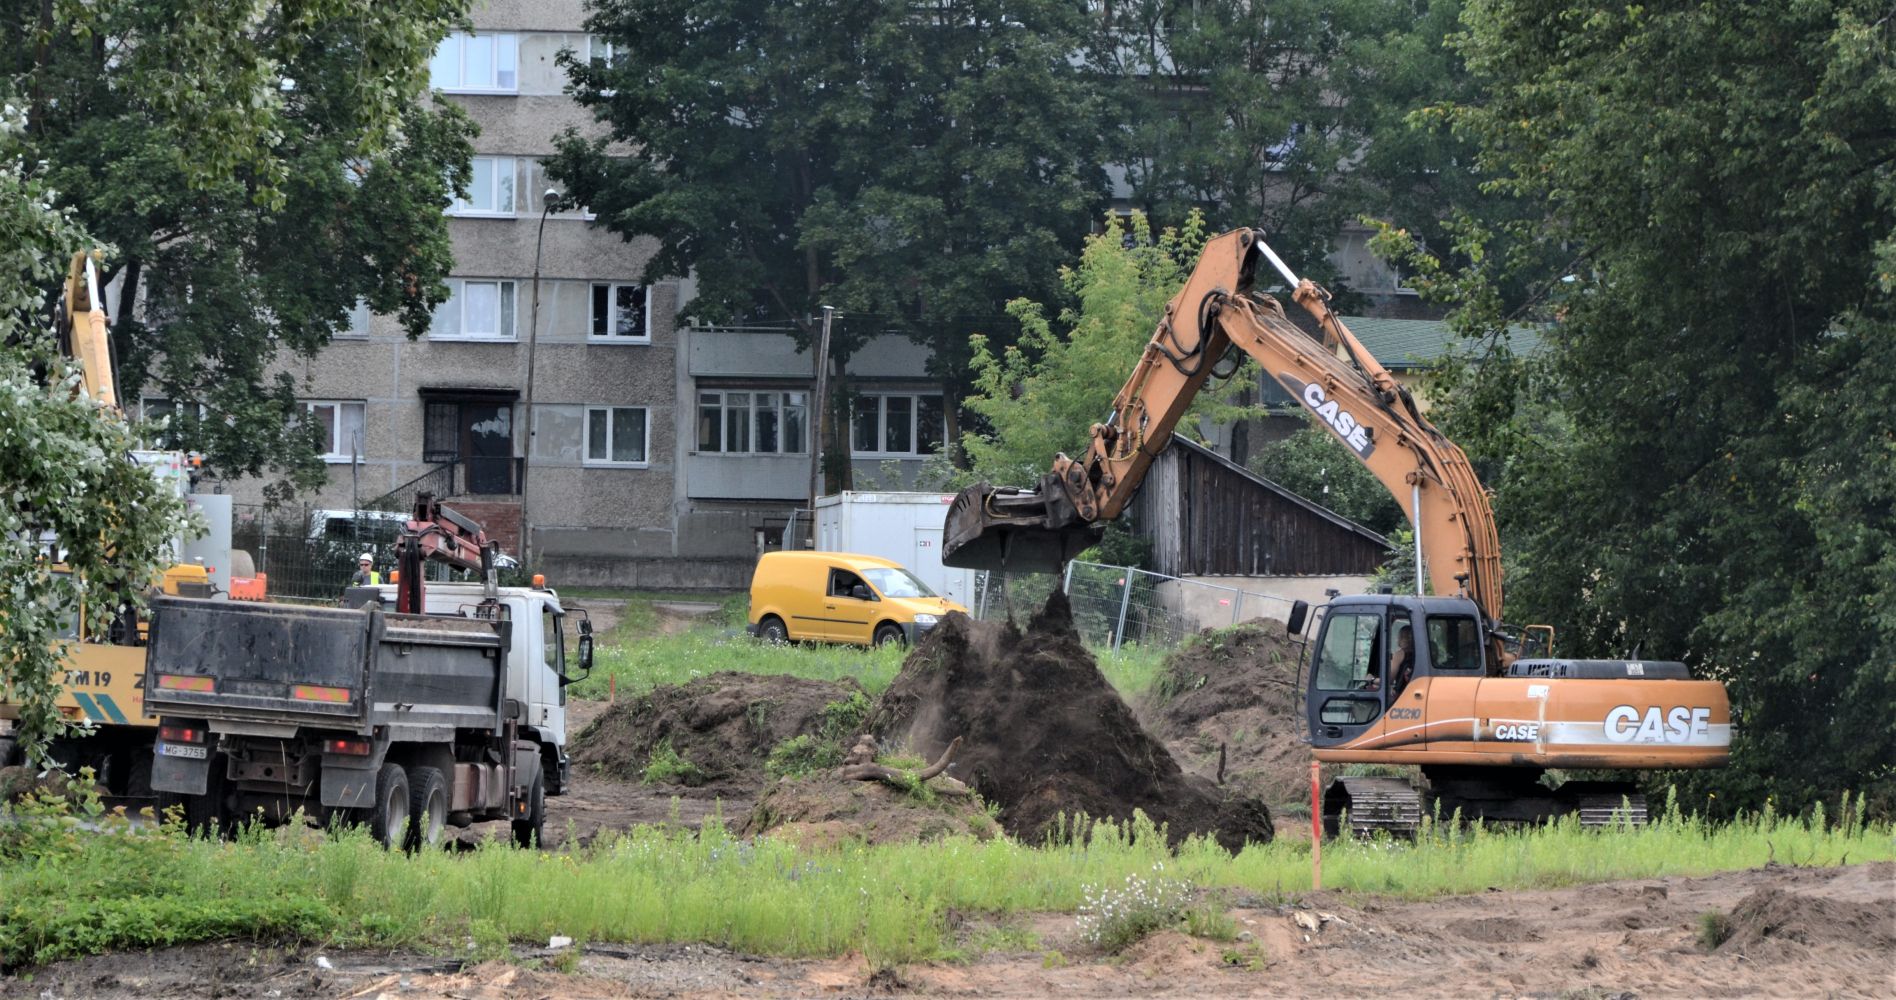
(181, 750)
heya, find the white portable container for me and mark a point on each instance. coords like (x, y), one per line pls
(900, 527)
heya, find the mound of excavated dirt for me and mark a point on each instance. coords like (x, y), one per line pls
(1235, 689)
(1773, 924)
(1044, 734)
(823, 809)
(720, 728)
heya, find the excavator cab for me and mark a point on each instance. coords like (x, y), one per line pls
(1343, 694)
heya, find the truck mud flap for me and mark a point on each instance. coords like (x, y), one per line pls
(182, 775)
(350, 785)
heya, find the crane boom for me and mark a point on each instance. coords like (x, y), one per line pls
(1338, 382)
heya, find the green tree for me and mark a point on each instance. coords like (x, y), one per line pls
(259, 168)
(1312, 465)
(914, 165)
(1042, 395)
(73, 495)
(1286, 116)
(1719, 484)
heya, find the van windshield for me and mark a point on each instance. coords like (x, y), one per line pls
(897, 583)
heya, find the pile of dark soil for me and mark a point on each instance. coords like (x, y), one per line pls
(1045, 735)
(1234, 690)
(822, 810)
(1773, 924)
(720, 728)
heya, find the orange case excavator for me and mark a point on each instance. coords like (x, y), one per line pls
(1482, 721)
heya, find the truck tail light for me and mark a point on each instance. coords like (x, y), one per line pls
(311, 692)
(180, 734)
(355, 748)
(182, 682)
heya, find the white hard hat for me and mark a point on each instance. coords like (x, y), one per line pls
(367, 557)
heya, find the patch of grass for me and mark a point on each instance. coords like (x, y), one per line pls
(1133, 670)
(1207, 920)
(1118, 915)
(1010, 936)
(800, 755)
(1714, 929)
(806, 753)
(79, 892)
(666, 767)
(642, 664)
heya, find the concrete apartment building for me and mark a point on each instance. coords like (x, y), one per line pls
(662, 454)
(659, 456)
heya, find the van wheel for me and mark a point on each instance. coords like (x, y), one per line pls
(771, 630)
(887, 633)
(427, 808)
(388, 819)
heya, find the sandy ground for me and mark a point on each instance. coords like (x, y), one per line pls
(1623, 939)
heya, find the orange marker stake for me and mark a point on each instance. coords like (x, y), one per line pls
(1316, 828)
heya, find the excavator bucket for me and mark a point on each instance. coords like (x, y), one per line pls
(1014, 530)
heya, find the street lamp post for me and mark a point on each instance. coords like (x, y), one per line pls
(549, 203)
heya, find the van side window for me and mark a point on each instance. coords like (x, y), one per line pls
(843, 583)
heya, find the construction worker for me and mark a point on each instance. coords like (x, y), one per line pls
(365, 575)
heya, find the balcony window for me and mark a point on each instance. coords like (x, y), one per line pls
(476, 64)
(751, 422)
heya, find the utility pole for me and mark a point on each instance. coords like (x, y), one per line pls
(549, 202)
(820, 410)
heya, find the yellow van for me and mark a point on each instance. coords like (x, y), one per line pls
(841, 597)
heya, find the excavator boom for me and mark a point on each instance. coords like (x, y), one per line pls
(1340, 385)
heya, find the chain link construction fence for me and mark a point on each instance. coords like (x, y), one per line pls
(1115, 605)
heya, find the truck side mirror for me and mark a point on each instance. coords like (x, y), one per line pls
(1299, 612)
(585, 653)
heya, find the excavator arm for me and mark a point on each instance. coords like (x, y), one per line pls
(82, 328)
(1339, 384)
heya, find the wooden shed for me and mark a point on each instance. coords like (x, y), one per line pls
(1205, 515)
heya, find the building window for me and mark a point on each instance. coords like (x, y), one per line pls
(491, 192)
(602, 50)
(358, 327)
(603, 54)
(616, 435)
(476, 310)
(341, 425)
(180, 432)
(897, 425)
(619, 315)
(476, 63)
(747, 422)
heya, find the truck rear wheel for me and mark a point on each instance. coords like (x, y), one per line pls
(427, 808)
(527, 829)
(771, 629)
(389, 817)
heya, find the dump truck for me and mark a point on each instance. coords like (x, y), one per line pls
(447, 710)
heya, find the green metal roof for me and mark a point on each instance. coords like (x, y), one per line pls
(1407, 344)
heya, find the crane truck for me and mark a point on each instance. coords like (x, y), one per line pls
(104, 662)
(447, 710)
(1482, 721)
